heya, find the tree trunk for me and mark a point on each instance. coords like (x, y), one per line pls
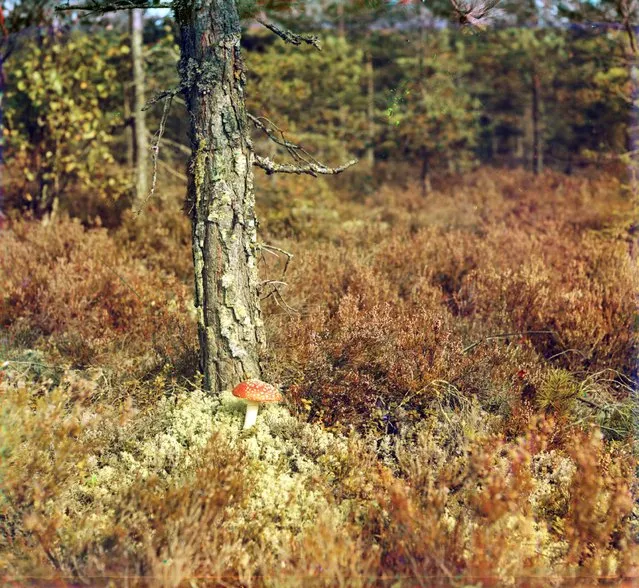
(341, 24)
(424, 176)
(370, 107)
(537, 147)
(136, 21)
(220, 196)
(128, 131)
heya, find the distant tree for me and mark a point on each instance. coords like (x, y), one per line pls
(60, 111)
(433, 117)
(15, 19)
(141, 151)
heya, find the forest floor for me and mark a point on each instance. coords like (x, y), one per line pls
(459, 373)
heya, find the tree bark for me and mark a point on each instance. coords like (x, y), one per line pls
(220, 196)
(136, 21)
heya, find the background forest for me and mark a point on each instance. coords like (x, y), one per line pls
(452, 321)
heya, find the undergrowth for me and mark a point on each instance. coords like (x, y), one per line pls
(458, 373)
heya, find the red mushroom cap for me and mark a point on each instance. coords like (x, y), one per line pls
(257, 391)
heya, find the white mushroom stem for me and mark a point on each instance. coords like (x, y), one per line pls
(251, 413)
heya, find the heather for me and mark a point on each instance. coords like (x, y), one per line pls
(458, 382)
(424, 235)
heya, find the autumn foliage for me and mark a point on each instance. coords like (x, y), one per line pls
(457, 374)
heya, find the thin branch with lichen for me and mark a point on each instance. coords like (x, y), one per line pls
(311, 169)
(290, 37)
(305, 163)
(114, 6)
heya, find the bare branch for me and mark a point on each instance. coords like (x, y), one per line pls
(275, 285)
(274, 251)
(156, 151)
(167, 168)
(112, 6)
(275, 134)
(290, 37)
(305, 163)
(178, 146)
(311, 169)
(170, 93)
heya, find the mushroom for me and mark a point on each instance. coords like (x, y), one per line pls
(255, 392)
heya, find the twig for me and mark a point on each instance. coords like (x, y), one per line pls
(272, 131)
(171, 171)
(504, 336)
(290, 37)
(274, 251)
(179, 146)
(311, 169)
(156, 151)
(170, 93)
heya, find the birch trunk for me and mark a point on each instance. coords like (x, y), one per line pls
(220, 196)
(136, 21)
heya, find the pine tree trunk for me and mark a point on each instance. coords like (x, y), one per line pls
(220, 195)
(136, 21)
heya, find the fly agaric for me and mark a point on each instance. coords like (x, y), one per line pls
(255, 392)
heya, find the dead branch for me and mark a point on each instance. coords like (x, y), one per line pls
(170, 93)
(275, 134)
(274, 251)
(171, 171)
(275, 285)
(178, 146)
(290, 37)
(305, 163)
(311, 169)
(156, 151)
(114, 6)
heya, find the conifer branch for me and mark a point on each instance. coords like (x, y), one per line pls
(290, 37)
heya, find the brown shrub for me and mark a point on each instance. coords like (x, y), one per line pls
(503, 279)
(89, 302)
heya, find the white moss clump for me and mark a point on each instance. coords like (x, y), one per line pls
(164, 443)
(290, 464)
(285, 461)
